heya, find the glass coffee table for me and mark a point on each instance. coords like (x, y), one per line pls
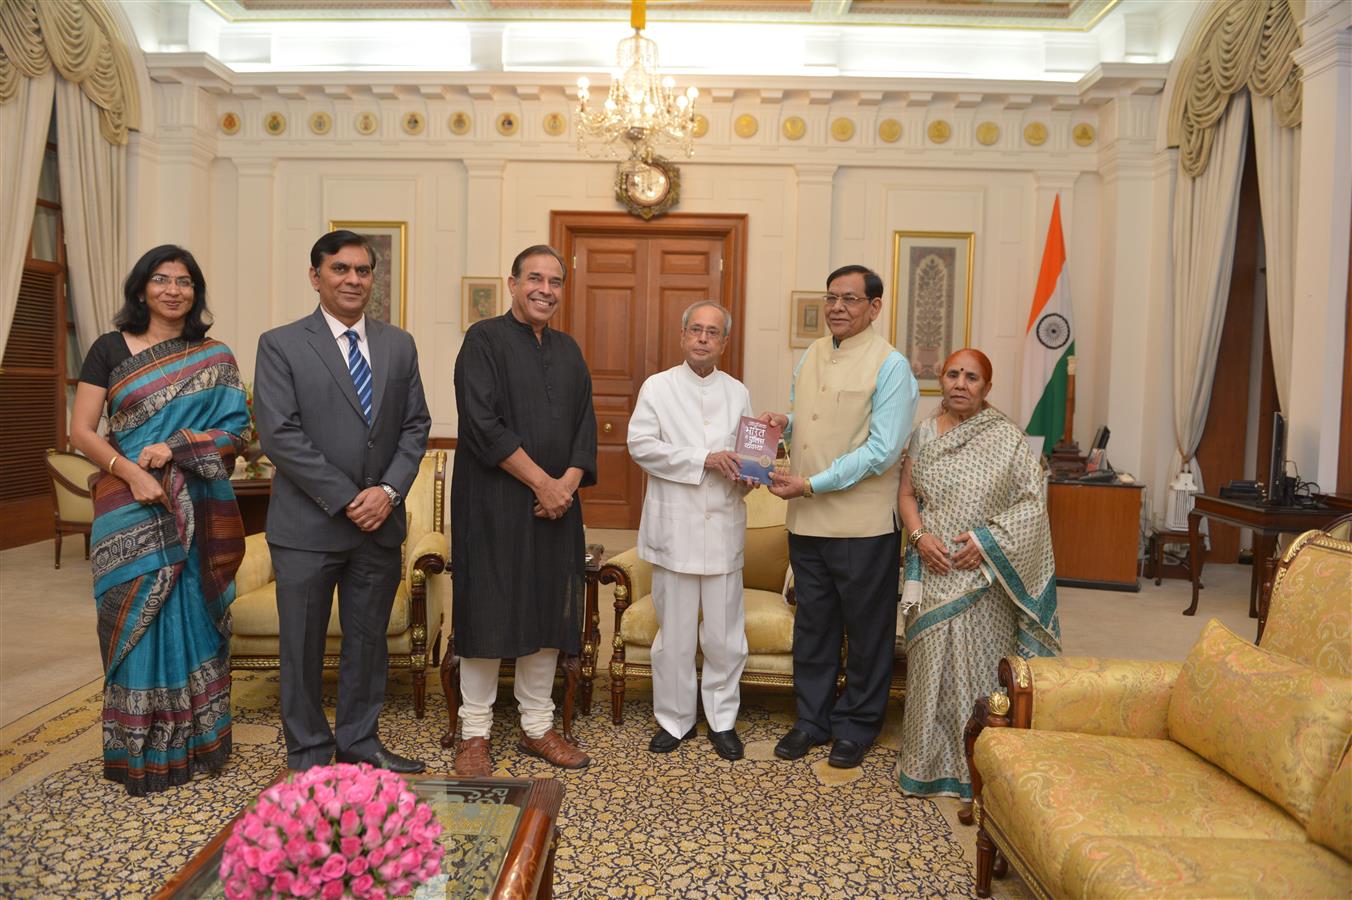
(499, 835)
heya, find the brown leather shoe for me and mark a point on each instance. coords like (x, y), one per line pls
(553, 749)
(472, 759)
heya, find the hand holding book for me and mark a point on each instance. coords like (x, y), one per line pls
(757, 442)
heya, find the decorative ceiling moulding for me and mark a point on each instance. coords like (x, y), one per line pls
(1039, 15)
(1243, 43)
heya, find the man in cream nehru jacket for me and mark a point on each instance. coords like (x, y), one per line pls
(853, 399)
(693, 529)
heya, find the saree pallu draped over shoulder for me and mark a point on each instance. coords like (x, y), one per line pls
(164, 572)
(978, 477)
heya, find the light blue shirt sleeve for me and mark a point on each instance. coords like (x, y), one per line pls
(893, 410)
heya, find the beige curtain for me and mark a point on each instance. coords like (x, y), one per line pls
(93, 207)
(1205, 211)
(1277, 159)
(23, 140)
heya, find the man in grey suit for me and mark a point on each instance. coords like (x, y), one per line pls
(341, 414)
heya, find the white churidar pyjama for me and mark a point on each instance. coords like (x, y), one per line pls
(679, 600)
(532, 686)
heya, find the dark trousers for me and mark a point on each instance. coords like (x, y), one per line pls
(366, 577)
(845, 587)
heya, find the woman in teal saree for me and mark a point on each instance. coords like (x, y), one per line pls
(167, 537)
(980, 581)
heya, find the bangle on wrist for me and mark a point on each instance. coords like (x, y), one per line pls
(112, 461)
(914, 539)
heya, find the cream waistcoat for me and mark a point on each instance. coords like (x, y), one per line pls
(833, 403)
(694, 520)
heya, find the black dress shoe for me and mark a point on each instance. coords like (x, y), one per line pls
(847, 754)
(385, 759)
(665, 742)
(726, 743)
(795, 744)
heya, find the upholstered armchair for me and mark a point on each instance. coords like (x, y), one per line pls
(422, 595)
(71, 501)
(769, 607)
(1225, 775)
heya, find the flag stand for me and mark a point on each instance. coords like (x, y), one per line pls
(1066, 461)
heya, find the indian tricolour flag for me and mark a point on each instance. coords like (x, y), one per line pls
(1049, 344)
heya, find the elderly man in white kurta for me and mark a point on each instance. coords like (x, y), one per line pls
(682, 433)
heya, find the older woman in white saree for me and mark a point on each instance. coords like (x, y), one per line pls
(980, 581)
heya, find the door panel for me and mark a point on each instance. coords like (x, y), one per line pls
(629, 284)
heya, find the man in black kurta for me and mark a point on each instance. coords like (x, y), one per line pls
(527, 442)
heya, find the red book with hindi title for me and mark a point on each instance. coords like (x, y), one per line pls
(757, 443)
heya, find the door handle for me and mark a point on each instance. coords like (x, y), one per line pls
(607, 428)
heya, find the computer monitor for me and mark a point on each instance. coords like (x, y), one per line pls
(1101, 438)
(1277, 488)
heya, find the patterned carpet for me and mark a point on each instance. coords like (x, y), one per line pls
(633, 824)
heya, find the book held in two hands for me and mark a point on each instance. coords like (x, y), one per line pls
(757, 443)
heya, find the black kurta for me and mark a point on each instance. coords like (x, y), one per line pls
(518, 579)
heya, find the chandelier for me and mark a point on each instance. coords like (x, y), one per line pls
(642, 110)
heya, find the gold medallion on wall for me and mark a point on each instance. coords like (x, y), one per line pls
(366, 123)
(1083, 134)
(459, 123)
(701, 127)
(745, 126)
(939, 131)
(1035, 133)
(230, 123)
(987, 133)
(794, 128)
(508, 124)
(889, 131)
(555, 124)
(274, 123)
(842, 129)
(320, 122)
(413, 122)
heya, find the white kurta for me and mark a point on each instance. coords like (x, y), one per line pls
(693, 532)
(694, 520)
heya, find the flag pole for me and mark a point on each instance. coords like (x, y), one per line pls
(1066, 461)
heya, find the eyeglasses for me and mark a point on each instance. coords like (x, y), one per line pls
(708, 331)
(184, 282)
(854, 301)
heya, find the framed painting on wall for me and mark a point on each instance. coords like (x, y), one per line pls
(480, 298)
(808, 317)
(931, 299)
(390, 242)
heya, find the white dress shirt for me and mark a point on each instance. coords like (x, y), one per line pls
(339, 334)
(694, 520)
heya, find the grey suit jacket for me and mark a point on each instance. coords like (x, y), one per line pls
(311, 427)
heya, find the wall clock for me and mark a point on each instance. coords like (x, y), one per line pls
(648, 189)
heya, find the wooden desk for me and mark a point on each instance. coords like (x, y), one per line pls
(518, 862)
(1266, 521)
(252, 496)
(1096, 533)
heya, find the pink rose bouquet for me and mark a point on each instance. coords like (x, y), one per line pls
(333, 831)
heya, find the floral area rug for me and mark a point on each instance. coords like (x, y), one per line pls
(633, 824)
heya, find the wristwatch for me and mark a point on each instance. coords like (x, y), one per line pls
(807, 487)
(390, 492)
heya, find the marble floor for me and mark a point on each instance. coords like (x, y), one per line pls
(49, 647)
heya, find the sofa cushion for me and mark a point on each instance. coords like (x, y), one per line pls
(255, 570)
(766, 558)
(255, 614)
(769, 622)
(1048, 789)
(1309, 616)
(1331, 819)
(1102, 867)
(1275, 724)
(1121, 697)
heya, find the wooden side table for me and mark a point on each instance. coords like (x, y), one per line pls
(1162, 537)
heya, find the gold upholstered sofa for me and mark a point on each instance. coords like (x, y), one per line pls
(1227, 775)
(769, 612)
(415, 621)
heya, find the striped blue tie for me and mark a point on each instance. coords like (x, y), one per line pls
(360, 372)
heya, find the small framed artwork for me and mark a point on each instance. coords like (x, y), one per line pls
(931, 299)
(808, 312)
(390, 291)
(480, 298)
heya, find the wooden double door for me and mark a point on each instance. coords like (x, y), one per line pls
(628, 283)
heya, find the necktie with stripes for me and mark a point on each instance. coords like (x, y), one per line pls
(360, 372)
